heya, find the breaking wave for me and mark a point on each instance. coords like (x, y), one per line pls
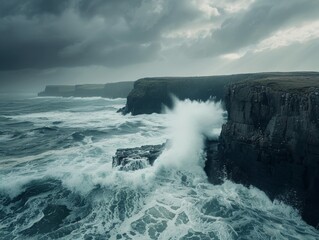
(190, 122)
(57, 180)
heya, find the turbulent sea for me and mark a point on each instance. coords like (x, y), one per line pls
(57, 180)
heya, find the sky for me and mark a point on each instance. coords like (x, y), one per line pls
(98, 41)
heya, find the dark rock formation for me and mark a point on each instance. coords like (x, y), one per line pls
(151, 94)
(89, 90)
(109, 90)
(117, 90)
(271, 138)
(214, 166)
(130, 159)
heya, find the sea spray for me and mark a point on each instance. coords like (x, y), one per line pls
(67, 188)
(190, 123)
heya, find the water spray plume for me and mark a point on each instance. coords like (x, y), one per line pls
(190, 123)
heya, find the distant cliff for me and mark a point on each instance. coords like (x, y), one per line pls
(109, 90)
(271, 138)
(151, 94)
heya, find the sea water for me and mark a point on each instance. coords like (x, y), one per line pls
(57, 180)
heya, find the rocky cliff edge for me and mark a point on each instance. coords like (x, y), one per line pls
(271, 138)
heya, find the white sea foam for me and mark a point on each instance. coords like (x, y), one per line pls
(190, 122)
(157, 202)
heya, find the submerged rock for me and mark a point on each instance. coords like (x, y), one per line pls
(130, 159)
(271, 139)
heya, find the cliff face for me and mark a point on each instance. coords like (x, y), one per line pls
(151, 94)
(88, 90)
(117, 90)
(271, 139)
(109, 90)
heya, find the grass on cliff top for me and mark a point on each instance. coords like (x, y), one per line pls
(309, 78)
(285, 81)
(289, 83)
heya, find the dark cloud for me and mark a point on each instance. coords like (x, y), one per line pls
(107, 9)
(32, 8)
(45, 34)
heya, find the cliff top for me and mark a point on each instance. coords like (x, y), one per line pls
(243, 76)
(299, 81)
(115, 89)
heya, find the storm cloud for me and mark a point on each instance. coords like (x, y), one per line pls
(61, 35)
(44, 34)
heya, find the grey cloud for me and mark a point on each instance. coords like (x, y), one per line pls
(38, 34)
(108, 9)
(33, 7)
(296, 57)
(41, 34)
(256, 23)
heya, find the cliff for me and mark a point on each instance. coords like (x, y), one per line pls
(151, 94)
(271, 138)
(109, 90)
(58, 90)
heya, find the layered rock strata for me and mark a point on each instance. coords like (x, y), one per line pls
(150, 95)
(271, 139)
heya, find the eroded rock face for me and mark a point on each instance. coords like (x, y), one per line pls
(214, 165)
(271, 139)
(130, 159)
(150, 95)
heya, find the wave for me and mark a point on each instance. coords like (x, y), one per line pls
(74, 193)
(190, 123)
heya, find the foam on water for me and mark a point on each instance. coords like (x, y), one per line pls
(72, 191)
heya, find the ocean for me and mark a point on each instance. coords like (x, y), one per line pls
(57, 179)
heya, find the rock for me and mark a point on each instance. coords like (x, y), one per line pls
(109, 90)
(214, 165)
(151, 94)
(271, 138)
(130, 159)
(58, 90)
